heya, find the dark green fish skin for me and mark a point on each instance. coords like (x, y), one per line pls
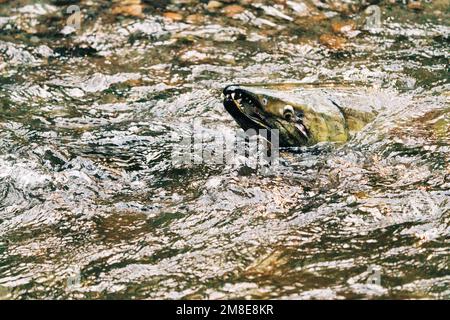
(303, 115)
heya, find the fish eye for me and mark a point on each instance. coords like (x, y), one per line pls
(264, 101)
(288, 112)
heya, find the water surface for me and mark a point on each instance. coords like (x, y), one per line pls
(92, 206)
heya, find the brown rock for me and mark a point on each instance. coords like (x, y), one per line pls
(342, 26)
(195, 19)
(233, 9)
(415, 5)
(341, 7)
(214, 5)
(132, 10)
(332, 41)
(174, 16)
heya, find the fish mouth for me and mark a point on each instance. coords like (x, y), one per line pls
(244, 107)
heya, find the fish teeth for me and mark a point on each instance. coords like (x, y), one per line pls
(232, 95)
(301, 128)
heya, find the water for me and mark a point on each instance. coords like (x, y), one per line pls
(92, 206)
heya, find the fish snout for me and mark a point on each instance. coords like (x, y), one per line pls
(231, 88)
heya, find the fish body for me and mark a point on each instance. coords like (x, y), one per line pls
(302, 114)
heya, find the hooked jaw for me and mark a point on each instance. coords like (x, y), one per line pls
(243, 107)
(241, 96)
(247, 110)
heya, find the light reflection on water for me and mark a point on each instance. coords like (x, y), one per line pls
(88, 188)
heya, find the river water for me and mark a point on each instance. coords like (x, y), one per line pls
(92, 205)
